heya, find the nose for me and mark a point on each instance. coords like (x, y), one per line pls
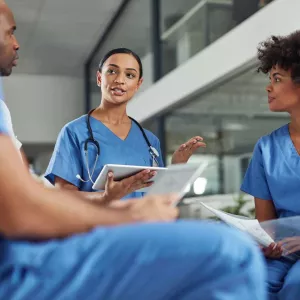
(269, 88)
(16, 44)
(120, 78)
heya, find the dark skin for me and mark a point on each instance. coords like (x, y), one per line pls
(29, 210)
(8, 42)
(283, 96)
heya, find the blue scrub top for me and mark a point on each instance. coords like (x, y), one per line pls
(68, 158)
(274, 172)
(3, 124)
(4, 128)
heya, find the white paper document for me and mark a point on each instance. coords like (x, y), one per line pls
(251, 226)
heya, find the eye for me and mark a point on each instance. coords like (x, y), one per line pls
(130, 75)
(111, 71)
(276, 79)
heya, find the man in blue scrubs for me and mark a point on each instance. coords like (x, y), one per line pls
(54, 245)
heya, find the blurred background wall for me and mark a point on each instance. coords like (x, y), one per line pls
(199, 58)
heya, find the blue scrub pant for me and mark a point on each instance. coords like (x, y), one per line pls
(283, 279)
(160, 261)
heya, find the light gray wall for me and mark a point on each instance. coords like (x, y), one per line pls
(41, 105)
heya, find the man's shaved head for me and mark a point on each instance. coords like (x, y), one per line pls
(8, 43)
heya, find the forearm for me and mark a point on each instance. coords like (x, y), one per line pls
(27, 209)
(264, 210)
(93, 197)
(52, 214)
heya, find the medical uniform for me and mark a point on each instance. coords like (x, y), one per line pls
(69, 159)
(161, 261)
(7, 120)
(274, 175)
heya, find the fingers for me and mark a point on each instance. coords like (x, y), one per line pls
(110, 177)
(139, 178)
(192, 144)
(273, 251)
(291, 249)
(291, 245)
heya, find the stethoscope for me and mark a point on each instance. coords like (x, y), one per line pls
(91, 140)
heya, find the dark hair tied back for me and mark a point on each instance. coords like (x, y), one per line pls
(122, 51)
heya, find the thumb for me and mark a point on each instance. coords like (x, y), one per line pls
(110, 178)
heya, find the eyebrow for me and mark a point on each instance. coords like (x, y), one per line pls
(275, 74)
(116, 66)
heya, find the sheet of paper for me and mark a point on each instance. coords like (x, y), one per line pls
(226, 218)
(253, 227)
(249, 225)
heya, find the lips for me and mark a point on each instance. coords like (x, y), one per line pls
(270, 99)
(118, 91)
(15, 61)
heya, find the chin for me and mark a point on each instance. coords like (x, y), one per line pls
(119, 100)
(277, 109)
(5, 72)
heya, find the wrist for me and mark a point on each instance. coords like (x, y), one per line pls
(99, 197)
(134, 213)
(173, 161)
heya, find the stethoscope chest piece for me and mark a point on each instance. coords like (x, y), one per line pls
(154, 151)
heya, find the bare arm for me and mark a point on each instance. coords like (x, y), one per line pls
(264, 210)
(27, 209)
(98, 197)
(113, 189)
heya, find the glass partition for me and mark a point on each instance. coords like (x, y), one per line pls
(231, 118)
(200, 23)
(187, 27)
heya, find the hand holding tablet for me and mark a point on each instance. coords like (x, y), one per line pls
(121, 172)
(174, 179)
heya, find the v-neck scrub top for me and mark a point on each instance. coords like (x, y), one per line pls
(274, 172)
(68, 158)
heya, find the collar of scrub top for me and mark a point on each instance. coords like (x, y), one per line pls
(153, 152)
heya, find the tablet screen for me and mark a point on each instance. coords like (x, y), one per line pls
(176, 179)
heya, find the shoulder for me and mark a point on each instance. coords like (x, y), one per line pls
(273, 137)
(79, 122)
(72, 130)
(5, 116)
(4, 109)
(76, 125)
(151, 136)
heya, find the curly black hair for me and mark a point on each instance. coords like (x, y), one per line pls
(282, 51)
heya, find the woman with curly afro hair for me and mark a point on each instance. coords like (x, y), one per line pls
(273, 176)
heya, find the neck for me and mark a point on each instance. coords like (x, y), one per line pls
(111, 113)
(295, 123)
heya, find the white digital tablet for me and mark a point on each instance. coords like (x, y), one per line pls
(176, 179)
(121, 172)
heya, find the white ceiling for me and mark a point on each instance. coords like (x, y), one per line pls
(56, 36)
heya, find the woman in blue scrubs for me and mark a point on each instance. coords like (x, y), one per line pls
(273, 174)
(55, 246)
(120, 139)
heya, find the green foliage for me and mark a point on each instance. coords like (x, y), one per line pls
(237, 208)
